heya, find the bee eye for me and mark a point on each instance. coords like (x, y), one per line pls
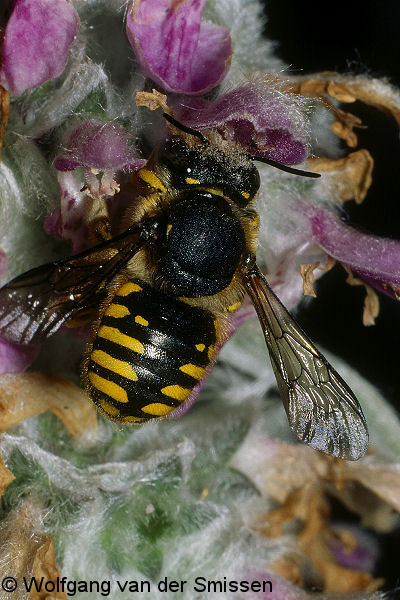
(248, 183)
(175, 155)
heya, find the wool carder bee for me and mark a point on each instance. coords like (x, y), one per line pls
(160, 293)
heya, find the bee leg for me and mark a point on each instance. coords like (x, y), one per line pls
(82, 317)
(98, 220)
(101, 229)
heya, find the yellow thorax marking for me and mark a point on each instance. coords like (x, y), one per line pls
(235, 306)
(128, 288)
(117, 310)
(192, 181)
(215, 191)
(141, 321)
(151, 178)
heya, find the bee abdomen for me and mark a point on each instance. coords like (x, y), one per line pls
(149, 352)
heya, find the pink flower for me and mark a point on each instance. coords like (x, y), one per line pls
(68, 221)
(175, 48)
(3, 262)
(15, 358)
(265, 122)
(376, 259)
(362, 556)
(99, 146)
(36, 42)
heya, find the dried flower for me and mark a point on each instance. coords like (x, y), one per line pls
(28, 394)
(302, 482)
(27, 550)
(6, 477)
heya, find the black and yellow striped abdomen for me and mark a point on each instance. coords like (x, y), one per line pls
(149, 352)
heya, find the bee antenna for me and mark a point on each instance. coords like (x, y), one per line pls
(189, 130)
(282, 167)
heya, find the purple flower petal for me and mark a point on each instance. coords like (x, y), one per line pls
(3, 262)
(265, 122)
(95, 146)
(98, 146)
(365, 552)
(68, 221)
(375, 259)
(15, 358)
(38, 36)
(175, 48)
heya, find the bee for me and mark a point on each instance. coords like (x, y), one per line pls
(160, 293)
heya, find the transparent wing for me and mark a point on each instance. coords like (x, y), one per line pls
(34, 305)
(322, 410)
